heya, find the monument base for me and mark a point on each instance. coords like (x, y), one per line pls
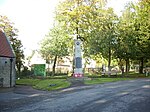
(78, 75)
(76, 82)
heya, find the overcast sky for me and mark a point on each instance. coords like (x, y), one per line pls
(34, 18)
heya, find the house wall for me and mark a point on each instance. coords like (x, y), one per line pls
(5, 69)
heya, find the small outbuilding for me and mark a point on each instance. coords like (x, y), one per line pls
(7, 62)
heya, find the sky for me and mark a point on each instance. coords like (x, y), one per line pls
(34, 18)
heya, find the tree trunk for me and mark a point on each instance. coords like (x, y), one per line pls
(54, 65)
(127, 66)
(121, 66)
(141, 65)
(19, 67)
(48, 69)
(84, 69)
(122, 71)
(109, 62)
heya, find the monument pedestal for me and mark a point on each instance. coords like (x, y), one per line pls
(76, 81)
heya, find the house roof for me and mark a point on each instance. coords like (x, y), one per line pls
(5, 46)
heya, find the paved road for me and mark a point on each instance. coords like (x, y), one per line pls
(123, 96)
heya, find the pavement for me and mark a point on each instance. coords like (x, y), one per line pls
(20, 88)
(122, 96)
(22, 91)
(19, 92)
(5, 89)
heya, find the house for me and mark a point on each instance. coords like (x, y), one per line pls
(63, 65)
(7, 62)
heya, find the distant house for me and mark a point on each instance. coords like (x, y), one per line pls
(7, 62)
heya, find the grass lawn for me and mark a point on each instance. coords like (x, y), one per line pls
(55, 84)
(52, 84)
(45, 84)
(28, 82)
(104, 80)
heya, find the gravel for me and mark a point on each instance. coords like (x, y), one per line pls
(122, 96)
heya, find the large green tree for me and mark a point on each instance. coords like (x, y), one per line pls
(78, 17)
(143, 30)
(54, 46)
(103, 36)
(126, 38)
(133, 34)
(11, 32)
(92, 22)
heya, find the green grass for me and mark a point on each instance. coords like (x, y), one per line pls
(59, 82)
(52, 84)
(45, 84)
(29, 82)
(104, 80)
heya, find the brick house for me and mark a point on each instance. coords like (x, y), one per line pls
(7, 62)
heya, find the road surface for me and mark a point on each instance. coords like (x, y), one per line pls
(122, 96)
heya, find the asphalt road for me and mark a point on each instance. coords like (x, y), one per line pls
(123, 96)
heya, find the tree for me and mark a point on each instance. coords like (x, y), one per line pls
(126, 48)
(11, 33)
(92, 21)
(133, 29)
(30, 57)
(103, 37)
(143, 27)
(78, 16)
(54, 45)
(126, 38)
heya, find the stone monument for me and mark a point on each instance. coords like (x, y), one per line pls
(78, 70)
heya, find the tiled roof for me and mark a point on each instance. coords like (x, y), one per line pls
(5, 47)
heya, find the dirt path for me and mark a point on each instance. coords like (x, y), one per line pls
(21, 89)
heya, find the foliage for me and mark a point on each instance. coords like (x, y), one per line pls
(11, 33)
(57, 74)
(79, 17)
(143, 30)
(105, 35)
(133, 40)
(46, 84)
(54, 43)
(91, 21)
(30, 82)
(30, 57)
(54, 46)
(25, 72)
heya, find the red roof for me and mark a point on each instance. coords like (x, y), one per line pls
(5, 46)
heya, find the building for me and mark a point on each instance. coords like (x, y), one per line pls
(7, 62)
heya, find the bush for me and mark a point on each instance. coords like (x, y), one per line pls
(25, 72)
(61, 74)
(56, 74)
(94, 76)
(57, 77)
(47, 77)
